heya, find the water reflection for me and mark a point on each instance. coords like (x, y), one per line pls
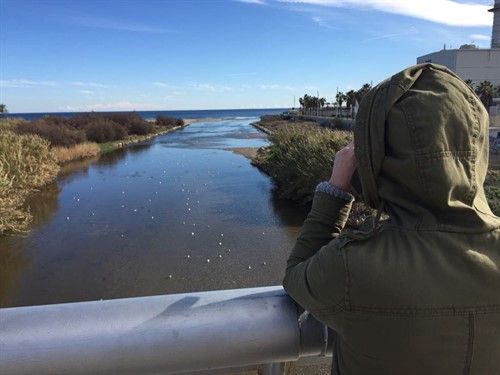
(178, 214)
(43, 205)
(13, 262)
(290, 215)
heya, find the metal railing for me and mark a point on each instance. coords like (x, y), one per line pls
(161, 334)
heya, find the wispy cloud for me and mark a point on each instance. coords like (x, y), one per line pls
(480, 37)
(405, 33)
(89, 84)
(116, 106)
(447, 12)
(29, 83)
(119, 25)
(86, 92)
(244, 74)
(210, 87)
(276, 87)
(159, 84)
(164, 85)
(320, 21)
(16, 83)
(259, 2)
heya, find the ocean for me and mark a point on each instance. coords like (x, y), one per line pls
(186, 114)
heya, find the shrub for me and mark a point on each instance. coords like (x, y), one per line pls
(131, 121)
(81, 120)
(99, 127)
(77, 152)
(26, 164)
(299, 159)
(57, 130)
(141, 128)
(168, 122)
(102, 130)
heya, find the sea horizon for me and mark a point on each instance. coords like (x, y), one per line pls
(151, 114)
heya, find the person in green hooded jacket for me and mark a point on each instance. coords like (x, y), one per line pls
(419, 292)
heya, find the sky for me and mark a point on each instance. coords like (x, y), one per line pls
(104, 55)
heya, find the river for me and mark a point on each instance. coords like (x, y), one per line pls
(180, 213)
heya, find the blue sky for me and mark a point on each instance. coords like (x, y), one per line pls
(79, 55)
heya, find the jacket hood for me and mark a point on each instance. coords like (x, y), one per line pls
(421, 141)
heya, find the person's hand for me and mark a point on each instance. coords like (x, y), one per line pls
(344, 167)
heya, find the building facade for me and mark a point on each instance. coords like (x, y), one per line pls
(469, 62)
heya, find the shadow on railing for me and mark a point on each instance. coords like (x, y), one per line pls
(167, 334)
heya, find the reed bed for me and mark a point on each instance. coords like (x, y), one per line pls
(77, 152)
(299, 159)
(26, 164)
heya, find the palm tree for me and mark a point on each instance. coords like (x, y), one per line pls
(350, 98)
(471, 83)
(340, 98)
(363, 91)
(3, 108)
(486, 92)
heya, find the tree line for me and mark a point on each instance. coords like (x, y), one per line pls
(349, 98)
(485, 90)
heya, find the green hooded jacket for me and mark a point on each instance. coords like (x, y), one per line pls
(418, 293)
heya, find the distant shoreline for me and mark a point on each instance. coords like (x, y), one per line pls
(148, 115)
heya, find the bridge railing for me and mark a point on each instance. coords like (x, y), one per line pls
(166, 334)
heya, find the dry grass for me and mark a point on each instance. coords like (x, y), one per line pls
(26, 164)
(77, 152)
(276, 123)
(10, 124)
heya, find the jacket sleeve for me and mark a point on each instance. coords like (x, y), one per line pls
(315, 271)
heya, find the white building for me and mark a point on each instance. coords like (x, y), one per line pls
(470, 62)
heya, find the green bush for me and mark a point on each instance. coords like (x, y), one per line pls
(299, 159)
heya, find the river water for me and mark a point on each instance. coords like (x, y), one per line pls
(181, 213)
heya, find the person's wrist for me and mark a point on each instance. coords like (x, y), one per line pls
(339, 183)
